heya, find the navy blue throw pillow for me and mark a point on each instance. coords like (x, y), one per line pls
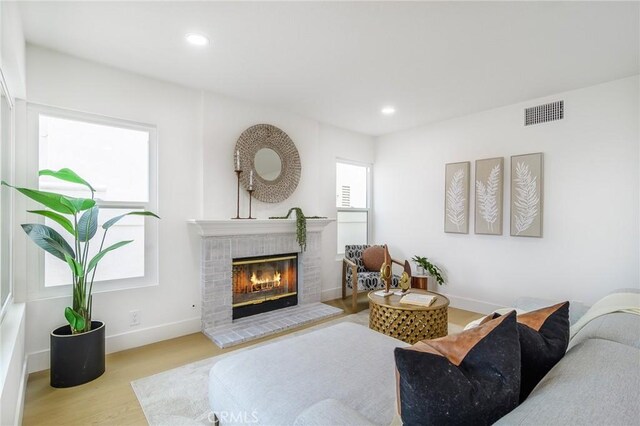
(544, 337)
(468, 378)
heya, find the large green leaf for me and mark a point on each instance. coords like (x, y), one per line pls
(94, 262)
(108, 224)
(49, 240)
(78, 204)
(76, 321)
(76, 267)
(56, 202)
(67, 175)
(88, 224)
(47, 199)
(61, 220)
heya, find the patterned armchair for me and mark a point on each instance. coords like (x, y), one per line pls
(357, 278)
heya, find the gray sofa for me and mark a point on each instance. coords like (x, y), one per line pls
(596, 383)
(345, 375)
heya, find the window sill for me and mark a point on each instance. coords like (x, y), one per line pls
(64, 291)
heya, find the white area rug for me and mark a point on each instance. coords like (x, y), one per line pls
(180, 396)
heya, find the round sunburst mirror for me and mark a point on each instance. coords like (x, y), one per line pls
(273, 158)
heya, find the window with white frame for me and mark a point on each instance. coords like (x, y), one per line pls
(353, 189)
(6, 196)
(118, 159)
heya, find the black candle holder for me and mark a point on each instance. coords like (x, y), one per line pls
(250, 191)
(238, 196)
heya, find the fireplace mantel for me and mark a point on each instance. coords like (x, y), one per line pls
(215, 228)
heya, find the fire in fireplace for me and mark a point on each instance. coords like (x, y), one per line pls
(264, 283)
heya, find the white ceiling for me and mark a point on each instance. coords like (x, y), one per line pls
(341, 62)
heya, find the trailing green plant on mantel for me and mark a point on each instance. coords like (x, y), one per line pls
(301, 225)
(82, 227)
(434, 271)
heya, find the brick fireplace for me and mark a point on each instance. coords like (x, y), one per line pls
(225, 242)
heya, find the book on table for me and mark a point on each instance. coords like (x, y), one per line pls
(418, 299)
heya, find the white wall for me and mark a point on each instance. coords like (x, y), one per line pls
(13, 377)
(197, 134)
(166, 310)
(224, 120)
(591, 196)
(13, 49)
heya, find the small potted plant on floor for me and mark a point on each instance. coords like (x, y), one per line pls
(432, 269)
(77, 349)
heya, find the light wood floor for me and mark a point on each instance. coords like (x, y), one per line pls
(110, 398)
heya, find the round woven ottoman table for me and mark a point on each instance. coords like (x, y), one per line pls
(409, 323)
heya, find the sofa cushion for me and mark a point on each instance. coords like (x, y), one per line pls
(544, 337)
(596, 383)
(278, 381)
(468, 378)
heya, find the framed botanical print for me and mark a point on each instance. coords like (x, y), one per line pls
(456, 197)
(489, 195)
(526, 195)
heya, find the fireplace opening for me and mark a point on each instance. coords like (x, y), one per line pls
(264, 283)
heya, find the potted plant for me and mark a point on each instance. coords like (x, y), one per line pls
(433, 270)
(301, 225)
(77, 349)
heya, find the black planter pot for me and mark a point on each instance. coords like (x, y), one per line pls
(77, 358)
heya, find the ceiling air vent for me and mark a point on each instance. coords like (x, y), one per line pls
(544, 113)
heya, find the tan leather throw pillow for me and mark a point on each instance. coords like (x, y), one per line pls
(373, 258)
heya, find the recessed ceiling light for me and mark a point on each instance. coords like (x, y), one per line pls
(388, 110)
(197, 39)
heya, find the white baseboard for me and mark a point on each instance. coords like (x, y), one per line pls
(472, 305)
(331, 294)
(39, 360)
(145, 336)
(459, 302)
(22, 392)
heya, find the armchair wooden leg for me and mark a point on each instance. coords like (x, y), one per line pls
(344, 281)
(354, 299)
(354, 284)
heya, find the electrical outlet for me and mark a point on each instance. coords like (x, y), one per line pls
(134, 318)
